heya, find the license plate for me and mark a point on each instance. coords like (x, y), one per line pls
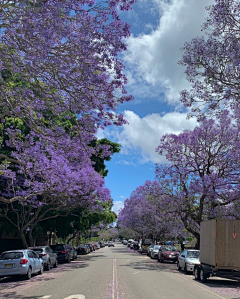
(8, 265)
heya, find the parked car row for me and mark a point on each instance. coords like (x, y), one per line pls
(34, 260)
(186, 260)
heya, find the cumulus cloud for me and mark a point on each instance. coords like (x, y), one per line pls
(153, 58)
(117, 205)
(141, 136)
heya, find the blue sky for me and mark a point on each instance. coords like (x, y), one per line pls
(159, 29)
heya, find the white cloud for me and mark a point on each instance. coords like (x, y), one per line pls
(142, 135)
(117, 206)
(152, 58)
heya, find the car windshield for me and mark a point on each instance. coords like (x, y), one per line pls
(193, 254)
(156, 247)
(38, 250)
(169, 248)
(11, 255)
(57, 247)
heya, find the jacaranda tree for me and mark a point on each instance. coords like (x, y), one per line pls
(60, 76)
(212, 61)
(201, 180)
(145, 213)
(58, 58)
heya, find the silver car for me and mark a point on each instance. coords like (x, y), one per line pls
(23, 262)
(187, 259)
(154, 251)
(48, 256)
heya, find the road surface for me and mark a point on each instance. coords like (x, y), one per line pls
(117, 273)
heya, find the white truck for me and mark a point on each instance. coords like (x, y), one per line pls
(219, 250)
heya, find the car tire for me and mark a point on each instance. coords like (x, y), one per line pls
(196, 273)
(203, 275)
(56, 264)
(29, 274)
(40, 272)
(48, 266)
(178, 267)
(161, 260)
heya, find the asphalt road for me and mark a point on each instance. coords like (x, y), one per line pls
(117, 273)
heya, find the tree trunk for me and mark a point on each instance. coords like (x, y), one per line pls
(77, 238)
(23, 237)
(50, 239)
(30, 238)
(197, 246)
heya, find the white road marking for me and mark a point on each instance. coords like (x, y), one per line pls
(78, 296)
(75, 297)
(137, 272)
(115, 282)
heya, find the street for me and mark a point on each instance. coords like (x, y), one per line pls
(116, 273)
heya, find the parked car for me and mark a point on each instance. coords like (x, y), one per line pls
(90, 245)
(97, 245)
(74, 253)
(145, 243)
(168, 253)
(188, 259)
(124, 242)
(129, 242)
(101, 244)
(83, 249)
(149, 249)
(154, 251)
(110, 243)
(24, 262)
(64, 252)
(47, 255)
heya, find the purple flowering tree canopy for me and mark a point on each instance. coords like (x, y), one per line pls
(212, 61)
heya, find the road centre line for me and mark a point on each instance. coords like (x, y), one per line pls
(115, 281)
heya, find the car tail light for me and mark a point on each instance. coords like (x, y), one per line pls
(85, 249)
(167, 252)
(64, 251)
(42, 254)
(23, 261)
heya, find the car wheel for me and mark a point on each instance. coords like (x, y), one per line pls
(203, 276)
(196, 273)
(29, 274)
(41, 270)
(48, 266)
(161, 260)
(56, 264)
(178, 267)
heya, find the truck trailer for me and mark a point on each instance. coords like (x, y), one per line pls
(219, 250)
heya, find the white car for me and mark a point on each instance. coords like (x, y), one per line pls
(188, 259)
